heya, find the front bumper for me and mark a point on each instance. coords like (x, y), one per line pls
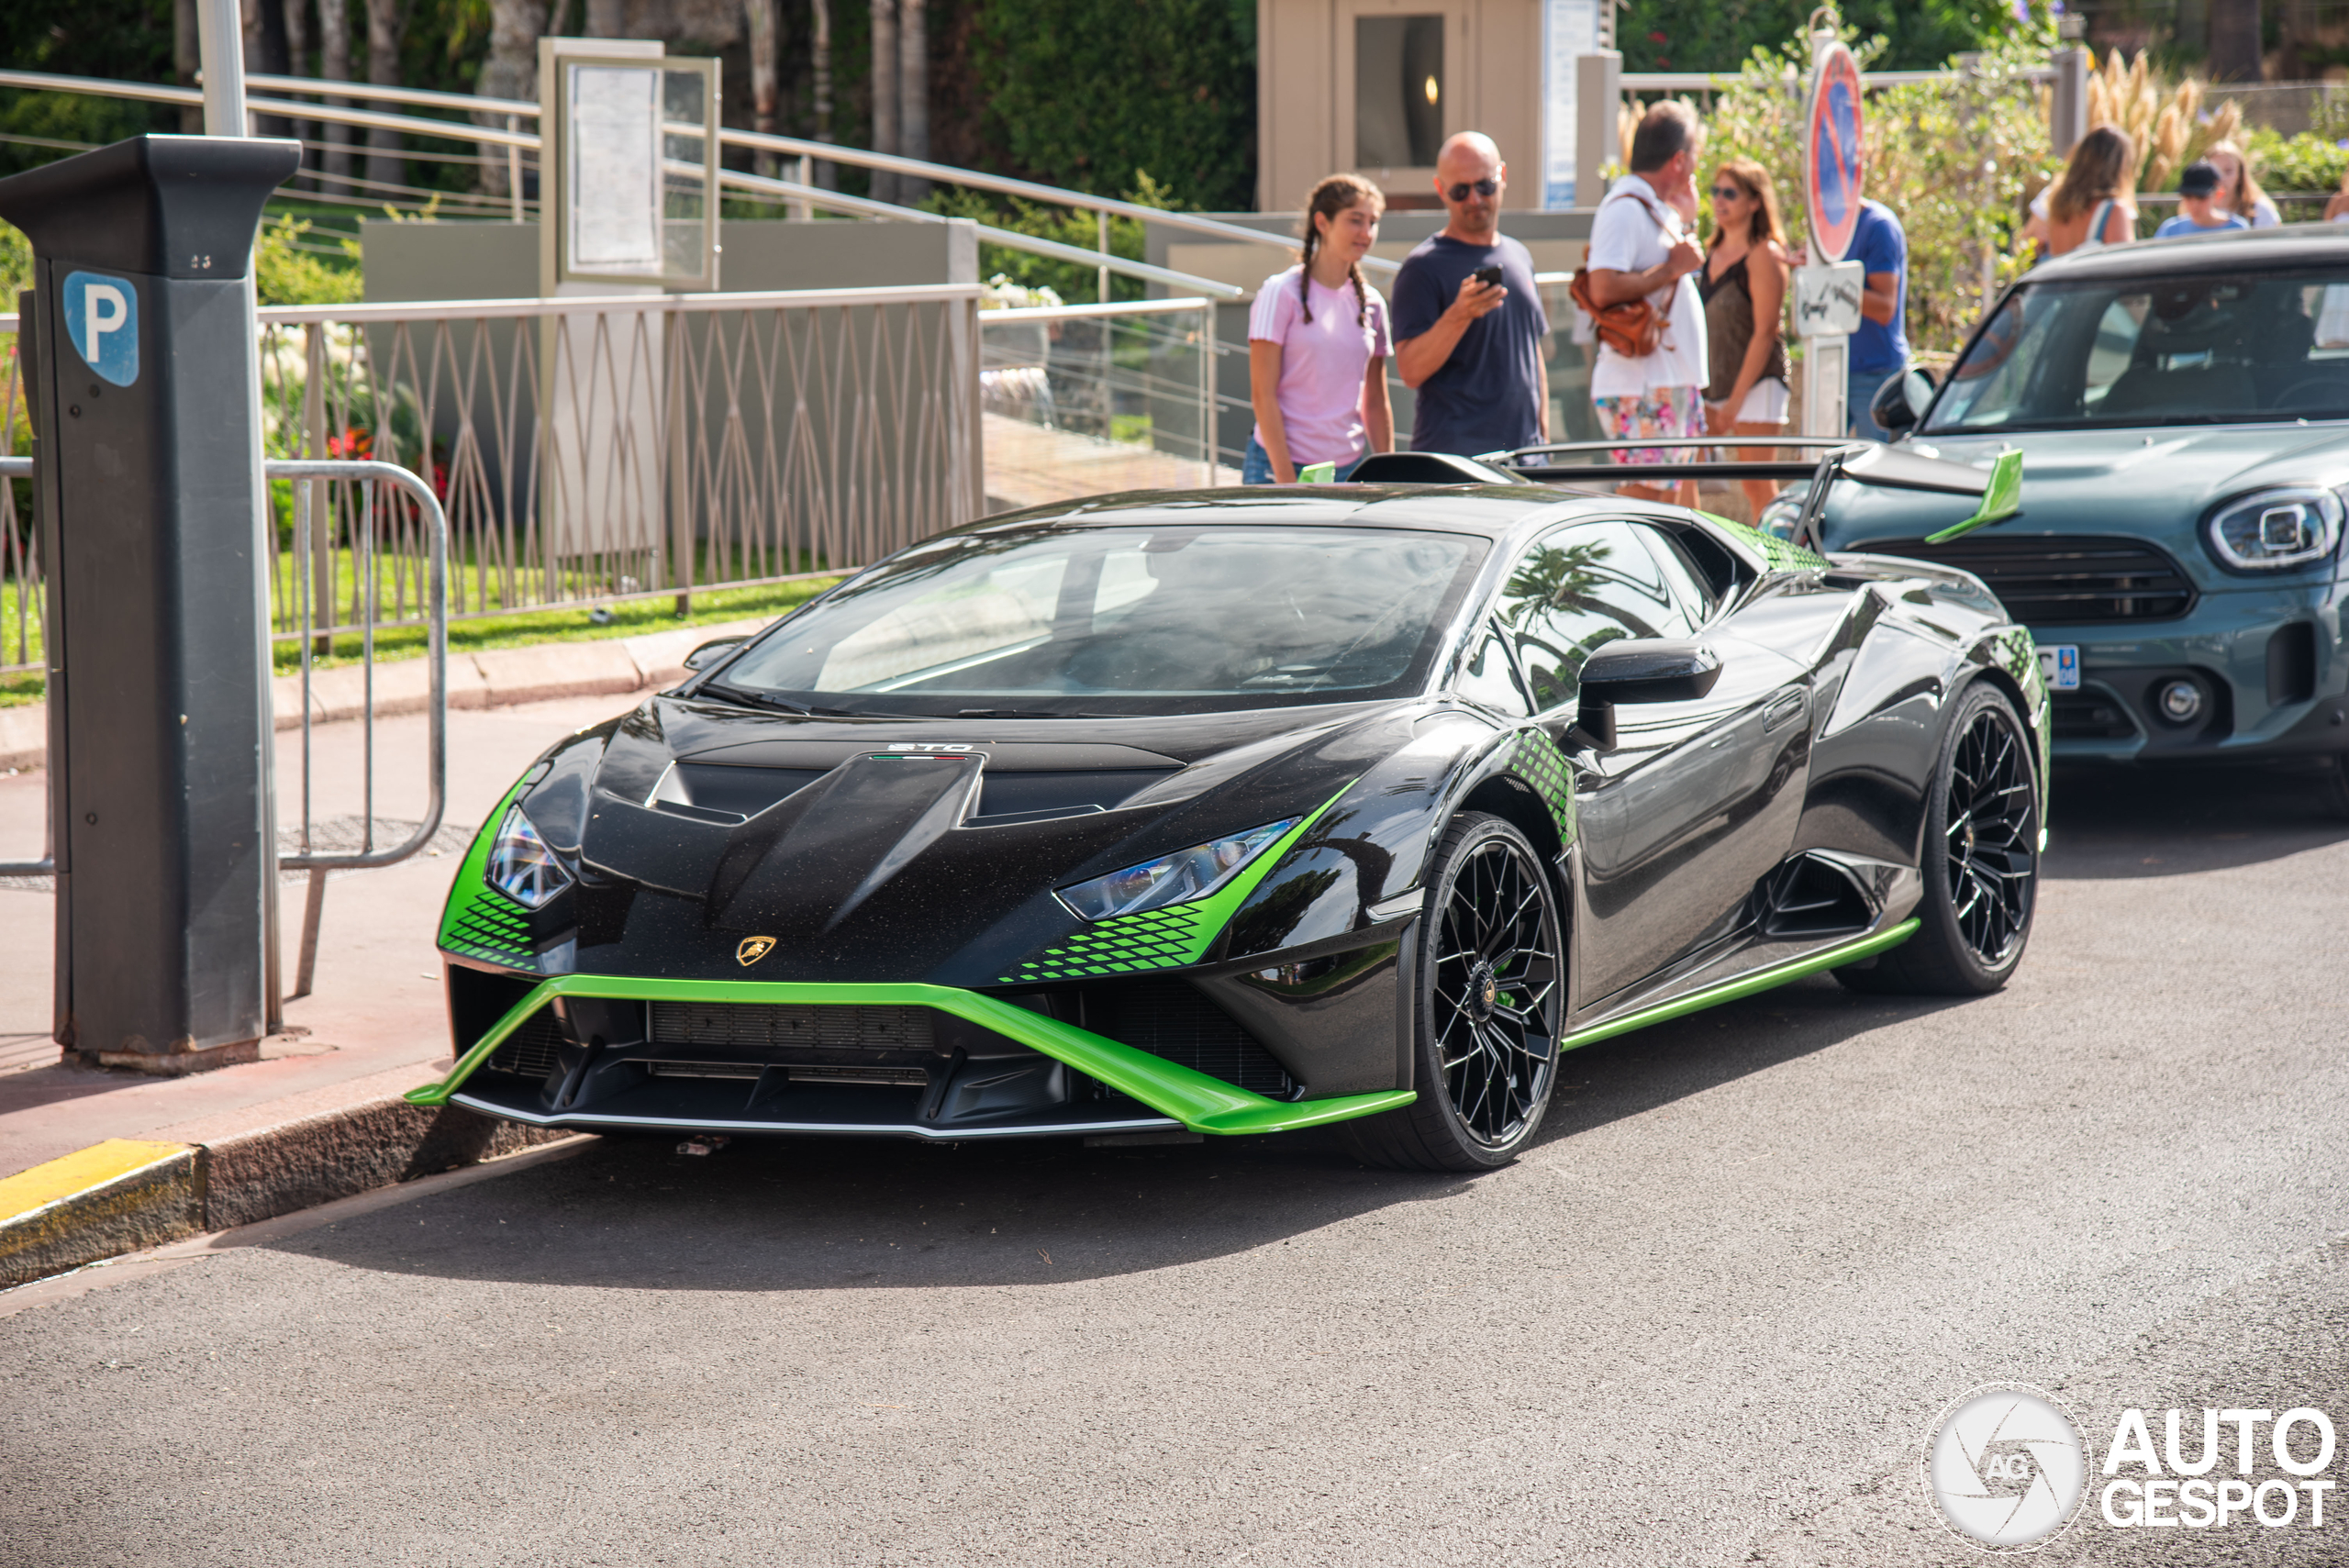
(2269, 665)
(1013, 1091)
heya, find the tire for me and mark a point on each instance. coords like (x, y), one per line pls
(2333, 788)
(1980, 861)
(1491, 994)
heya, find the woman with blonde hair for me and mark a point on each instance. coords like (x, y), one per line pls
(2239, 191)
(1744, 285)
(2095, 201)
(1319, 340)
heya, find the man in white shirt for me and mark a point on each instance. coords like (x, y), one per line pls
(1639, 249)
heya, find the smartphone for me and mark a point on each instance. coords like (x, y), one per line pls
(1488, 276)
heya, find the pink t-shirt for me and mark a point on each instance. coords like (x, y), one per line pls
(1323, 362)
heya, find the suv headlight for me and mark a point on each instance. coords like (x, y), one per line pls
(1782, 513)
(1171, 879)
(520, 865)
(2272, 529)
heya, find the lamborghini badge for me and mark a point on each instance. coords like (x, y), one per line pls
(753, 949)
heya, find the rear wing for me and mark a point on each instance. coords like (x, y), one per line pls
(1827, 462)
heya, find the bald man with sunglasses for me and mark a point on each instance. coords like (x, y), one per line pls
(1469, 347)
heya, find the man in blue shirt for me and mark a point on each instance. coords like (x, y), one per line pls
(1472, 349)
(1880, 348)
(2199, 211)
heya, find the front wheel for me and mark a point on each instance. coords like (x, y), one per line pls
(1491, 996)
(1980, 861)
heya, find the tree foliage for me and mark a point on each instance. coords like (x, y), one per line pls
(1090, 94)
(1719, 35)
(1955, 160)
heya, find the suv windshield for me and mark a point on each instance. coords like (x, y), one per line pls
(1177, 620)
(2201, 349)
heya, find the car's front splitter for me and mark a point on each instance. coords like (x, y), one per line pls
(1192, 1099)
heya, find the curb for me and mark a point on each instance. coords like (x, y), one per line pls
(125, 1196)
(500, 678)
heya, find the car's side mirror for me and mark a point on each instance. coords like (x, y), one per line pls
(1900, 402)
(709, 652)
(1649, 669)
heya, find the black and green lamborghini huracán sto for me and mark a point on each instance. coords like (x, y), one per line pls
(1242, 811)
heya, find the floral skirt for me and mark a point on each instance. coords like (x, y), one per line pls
(1662, 412)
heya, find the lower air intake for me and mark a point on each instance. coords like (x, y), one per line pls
(530, 1049)
(792, 1026)
(1169, 1018)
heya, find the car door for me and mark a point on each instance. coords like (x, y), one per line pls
(1682, 816)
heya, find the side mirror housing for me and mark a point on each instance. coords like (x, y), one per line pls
(1900, 402)
(1649, 669)
(710, 652)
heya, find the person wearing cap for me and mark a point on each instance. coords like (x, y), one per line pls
(2199, 211)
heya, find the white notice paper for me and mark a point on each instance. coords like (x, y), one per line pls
(1569, 30)
(615, 193)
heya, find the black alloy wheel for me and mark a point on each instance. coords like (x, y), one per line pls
(1980, 861)
(1491, 997)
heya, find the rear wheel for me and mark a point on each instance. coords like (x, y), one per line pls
(1491, 992)
(1981, 862)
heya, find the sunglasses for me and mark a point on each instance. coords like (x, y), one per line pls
(1727, 194)
(1482, 187)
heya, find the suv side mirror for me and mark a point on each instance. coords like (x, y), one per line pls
(709, 652)
(1900, 402)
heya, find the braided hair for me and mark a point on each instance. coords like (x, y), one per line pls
(1338, 194)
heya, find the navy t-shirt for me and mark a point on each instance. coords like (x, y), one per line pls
(1487, 397)
(1879, 245)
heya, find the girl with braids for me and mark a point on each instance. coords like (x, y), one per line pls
(1318, 345)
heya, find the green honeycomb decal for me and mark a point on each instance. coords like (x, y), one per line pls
(1783, 555)
(479, 921)
(1537, 760)
(1170, 938)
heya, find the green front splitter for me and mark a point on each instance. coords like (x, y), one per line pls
(1200, 1103)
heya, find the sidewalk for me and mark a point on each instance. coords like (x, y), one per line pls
(319, 1116)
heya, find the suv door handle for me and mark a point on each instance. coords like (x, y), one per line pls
(1784, 708)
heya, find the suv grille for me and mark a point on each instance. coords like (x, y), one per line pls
(2062, 580)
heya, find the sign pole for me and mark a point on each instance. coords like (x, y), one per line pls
(1828, 291)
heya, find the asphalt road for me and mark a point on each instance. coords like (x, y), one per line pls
(1706, 1321)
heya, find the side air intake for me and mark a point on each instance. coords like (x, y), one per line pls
(1808, 897)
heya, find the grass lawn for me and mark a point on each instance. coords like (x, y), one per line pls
(628, 618)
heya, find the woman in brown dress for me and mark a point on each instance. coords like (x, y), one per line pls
(1743, 284)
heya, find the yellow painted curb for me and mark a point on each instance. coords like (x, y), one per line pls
(109, 1198)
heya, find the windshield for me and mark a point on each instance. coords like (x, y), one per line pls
(1064, 621)
(2202, 349)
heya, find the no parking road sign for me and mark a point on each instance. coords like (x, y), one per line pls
(1832, 153)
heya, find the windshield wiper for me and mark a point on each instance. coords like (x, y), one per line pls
(737, 695)
(1029, 713)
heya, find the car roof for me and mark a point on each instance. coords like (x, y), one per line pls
(2227, 250)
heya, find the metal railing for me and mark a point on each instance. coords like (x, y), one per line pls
(315, 483)
(1084, 399)
(601, 449)
(503, 144)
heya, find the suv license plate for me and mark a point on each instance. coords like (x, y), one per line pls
(2059, 666)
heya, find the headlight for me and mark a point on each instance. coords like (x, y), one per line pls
(2275, 528)
(1779, 517)
(520, 865)
(1171, 879)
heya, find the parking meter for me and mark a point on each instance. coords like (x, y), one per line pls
(145, 398)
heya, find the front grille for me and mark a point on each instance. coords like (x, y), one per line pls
(2090, 715)
(791, 1026)
(1169, 1018)
(2062, 580)
(530, 1049)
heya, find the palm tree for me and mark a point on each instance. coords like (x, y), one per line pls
(819, 50)
(913, 94)
(885, 67)
(510, 71)
(761, 16)
(334, 64)
(386, 26)
(2235, 41)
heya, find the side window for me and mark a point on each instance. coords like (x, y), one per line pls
(1578, 589)
(1489, 678)
(1690, 586)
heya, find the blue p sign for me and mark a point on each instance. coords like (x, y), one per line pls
(102, 317)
